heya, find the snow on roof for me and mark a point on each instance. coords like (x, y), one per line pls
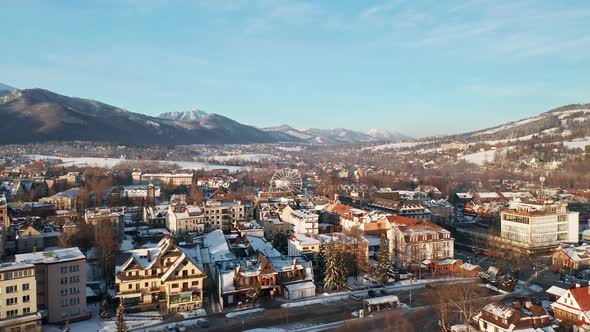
(299, 286)
(557, 291)
(285, 264)
(501, 311)
(382, 300)
(52, 256)
(261, 245)
(488, 195)
(15, 266)
(227, 280)
(465, 195)
(218, 247)
(305, 239)
(469, 267)
(447, 261)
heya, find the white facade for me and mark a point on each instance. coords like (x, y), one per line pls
(185, 218)
(302, 221)
(539, 225)
(300, 243)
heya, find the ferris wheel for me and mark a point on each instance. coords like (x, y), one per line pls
(287, 179)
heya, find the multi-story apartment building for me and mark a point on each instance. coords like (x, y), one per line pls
(102, 220)
(223, 215)
(61, 283)
(174, 179)
(18, 298)
(182, 218)
(413, 241)
(161, 278)
(539, 225)
(302, 221)
(572, 309)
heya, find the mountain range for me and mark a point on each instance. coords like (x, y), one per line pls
(38, 115)
(338, 135)
(566, 121)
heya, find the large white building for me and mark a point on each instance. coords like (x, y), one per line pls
(539, 225)
(185, 218)
(302, 221)
(175, 179)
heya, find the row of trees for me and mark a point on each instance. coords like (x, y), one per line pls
(334, 265)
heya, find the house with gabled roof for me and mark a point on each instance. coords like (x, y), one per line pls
(163, 277)
(572, 309)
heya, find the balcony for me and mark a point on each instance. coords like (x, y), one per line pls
(187, 295)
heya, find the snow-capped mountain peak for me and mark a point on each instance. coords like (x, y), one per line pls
(189, 116)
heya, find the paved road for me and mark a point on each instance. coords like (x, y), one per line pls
(341, 310)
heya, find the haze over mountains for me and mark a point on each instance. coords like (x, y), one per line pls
(38, 115)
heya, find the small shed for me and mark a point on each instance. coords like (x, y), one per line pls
(299, 290)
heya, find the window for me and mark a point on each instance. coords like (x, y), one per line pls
(11, 301)
(26, 287)
(11, 313)
(11, 289)
(64, 280)
(64, 269)
(26, 310)
(26, 298)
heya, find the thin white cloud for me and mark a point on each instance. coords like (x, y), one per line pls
(379, 9)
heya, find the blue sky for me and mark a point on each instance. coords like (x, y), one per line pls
(420, 67)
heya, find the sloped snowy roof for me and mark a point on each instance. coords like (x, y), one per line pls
(218, 247)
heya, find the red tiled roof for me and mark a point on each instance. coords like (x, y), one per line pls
(582, 296)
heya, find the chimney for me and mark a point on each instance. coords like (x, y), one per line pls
(528, 304)
(149, 255)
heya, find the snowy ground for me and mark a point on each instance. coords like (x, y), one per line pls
(96, 324)
(111, 162)
(577, 144)
(324, 298)
(480, 158)
(398, 145)
(244, 312)
(290, 149)
(244, 157)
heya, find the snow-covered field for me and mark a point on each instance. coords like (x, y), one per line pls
(511, 125)
(244, 157)
(522, 138)
(290, 149)
(480, 158)
(579, 143)
(112, 162)
(398, 145)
